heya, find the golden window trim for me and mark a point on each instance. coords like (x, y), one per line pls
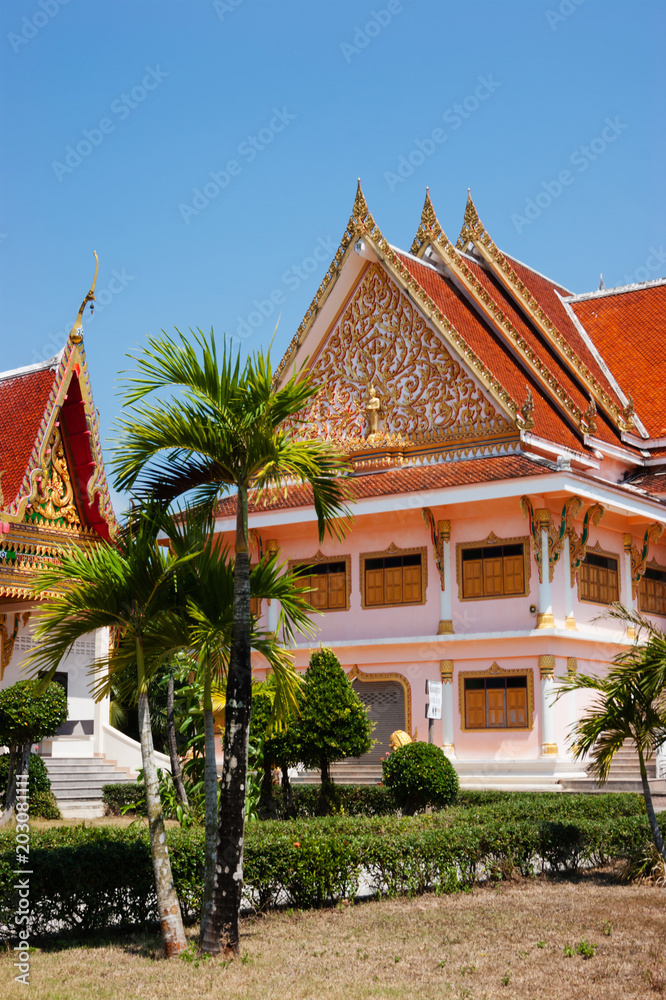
(319, 559)
(496, 671)
(493, 539)
(364, 676)
(393, 550)
(598, 551)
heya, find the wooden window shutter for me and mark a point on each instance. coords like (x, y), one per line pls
(393, 584)
(411, 583)
(472, 578)
(492, 577)
(516, 706)
(495, 702)
(319, 595)
(254, 606)
(513, 575)
(337, 587)
(613, 593)
(374, 586)
(475, 709)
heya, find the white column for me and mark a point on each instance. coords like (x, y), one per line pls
(627, 591)
(101, 709)
(547, 677)
(446, 673)
(445, 614)
(545, 617)
(569, 617)
(273, 608)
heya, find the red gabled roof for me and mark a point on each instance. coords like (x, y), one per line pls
(493, 351)
(627, 328)
(23, 402)
(395, 481)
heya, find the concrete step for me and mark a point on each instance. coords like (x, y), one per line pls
(77, 783)
(657, 787)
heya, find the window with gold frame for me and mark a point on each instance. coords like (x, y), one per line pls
(329, 580)
(496, 699)
(393, 577)
(598, 577)
(495, 567)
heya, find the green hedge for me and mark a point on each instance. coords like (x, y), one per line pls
(40, 797)
(354, 800)
(86, 879)
(124, 793)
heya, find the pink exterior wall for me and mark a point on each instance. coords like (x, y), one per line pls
(403, 639)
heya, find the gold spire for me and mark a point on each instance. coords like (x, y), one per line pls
(76, 333)
(472, 225)
(429, 229)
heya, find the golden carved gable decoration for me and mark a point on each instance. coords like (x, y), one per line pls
(381, 340)
(52, 499)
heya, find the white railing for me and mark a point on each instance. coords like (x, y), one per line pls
(661, 761)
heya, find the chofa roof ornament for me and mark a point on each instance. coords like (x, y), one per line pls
(76, 333)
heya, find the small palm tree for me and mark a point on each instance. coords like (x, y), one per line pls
(206, 589)
(225, 430)
(130, 588)
(629, 706)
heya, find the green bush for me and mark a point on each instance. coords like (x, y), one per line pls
(44, 805)
(124, 793)
(91, 878)
(38, 776)
(420, 775)
(353, 800)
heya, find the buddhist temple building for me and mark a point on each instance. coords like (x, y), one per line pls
(54, 493)
(508, 446)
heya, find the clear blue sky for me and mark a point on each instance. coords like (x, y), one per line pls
(287, 103)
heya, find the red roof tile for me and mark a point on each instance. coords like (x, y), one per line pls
(653, 481)
(627, 328)
(411, 480)
(23, 400)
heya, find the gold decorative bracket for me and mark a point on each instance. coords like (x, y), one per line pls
(578, 543)
(639, 560)
(440, 532)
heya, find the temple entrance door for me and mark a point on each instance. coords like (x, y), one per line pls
(385, 701)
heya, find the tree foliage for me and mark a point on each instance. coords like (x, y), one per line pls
(31, 711)
(420, 775)
(334, 723)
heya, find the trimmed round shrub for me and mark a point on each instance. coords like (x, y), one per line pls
(420, 775)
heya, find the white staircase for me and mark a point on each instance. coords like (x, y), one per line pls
(77, 783)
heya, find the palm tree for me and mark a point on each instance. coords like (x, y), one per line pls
(206, 588)
(130, 588)
(226, 429)
(629, 706)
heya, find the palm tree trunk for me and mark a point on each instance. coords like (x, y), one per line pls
(176, 772)
(649, 807)
(222, 926)
(210, 788)
(171, 921)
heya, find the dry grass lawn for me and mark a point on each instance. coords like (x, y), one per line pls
(506, 942)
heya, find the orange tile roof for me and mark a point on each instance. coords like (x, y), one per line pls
(411, 480)
(23, 401)
(652, 481)
(627, 328)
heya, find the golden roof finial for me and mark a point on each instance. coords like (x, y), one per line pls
(360, 210)
(76, 333)
(472, 225)
(429, 229)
